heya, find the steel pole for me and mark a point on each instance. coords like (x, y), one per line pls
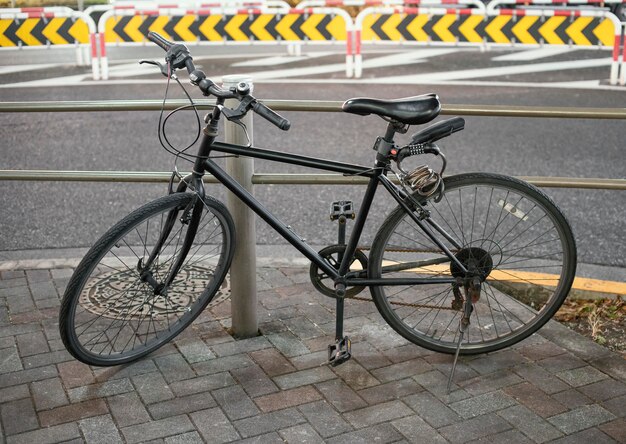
(245, 322)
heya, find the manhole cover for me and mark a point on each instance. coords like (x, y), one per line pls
(118, 294)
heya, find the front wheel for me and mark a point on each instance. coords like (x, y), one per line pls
(508, 231)
(118, 305)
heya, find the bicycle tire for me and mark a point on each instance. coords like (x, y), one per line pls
(521, 239)
(110, 316)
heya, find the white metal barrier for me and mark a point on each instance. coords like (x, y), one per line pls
(282, 26)
(252, 22)
(618, 64)
(51, 27)
(486, 28)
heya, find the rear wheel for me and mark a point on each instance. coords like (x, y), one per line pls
(510, 232)
(117, 307)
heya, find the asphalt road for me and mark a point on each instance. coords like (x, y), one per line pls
(61, 215)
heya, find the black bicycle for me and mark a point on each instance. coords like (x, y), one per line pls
(476, 248)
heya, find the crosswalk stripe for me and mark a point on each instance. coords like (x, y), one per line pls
(533, 54)
(499, 71)
(462, 77)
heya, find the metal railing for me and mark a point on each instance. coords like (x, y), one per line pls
(313, 106)
(276, 179)
(300, 105)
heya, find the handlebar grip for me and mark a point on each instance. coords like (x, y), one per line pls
(271, 116)
(160, 41)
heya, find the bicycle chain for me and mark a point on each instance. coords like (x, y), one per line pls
(404, 304)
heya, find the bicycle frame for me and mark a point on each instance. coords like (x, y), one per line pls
(377, 175)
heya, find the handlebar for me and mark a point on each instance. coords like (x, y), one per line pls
(160, 41)
(271, 116)
(178, 57)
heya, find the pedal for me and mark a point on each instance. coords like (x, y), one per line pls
(339, 352)
(342, 208)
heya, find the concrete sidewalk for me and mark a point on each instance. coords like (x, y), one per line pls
(206, 387)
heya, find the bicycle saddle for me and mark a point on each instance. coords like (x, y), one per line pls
(409, 110)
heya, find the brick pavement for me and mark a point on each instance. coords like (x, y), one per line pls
(206, 387)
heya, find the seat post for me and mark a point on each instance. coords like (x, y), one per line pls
(385, 144)
(391, 132)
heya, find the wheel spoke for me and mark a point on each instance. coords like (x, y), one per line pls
(511, 235)
(118, 317)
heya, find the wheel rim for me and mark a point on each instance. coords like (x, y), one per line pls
(117, 317)
(523, 252)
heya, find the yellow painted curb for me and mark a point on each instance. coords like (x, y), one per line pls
(544, 279)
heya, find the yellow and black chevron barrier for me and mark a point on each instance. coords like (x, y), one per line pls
(206, 26)
(43, 32)
(499, 29)
(574, 27)
(218, 28)
(41, 27)
(50, 26)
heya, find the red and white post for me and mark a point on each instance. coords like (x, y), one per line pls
(622, 76)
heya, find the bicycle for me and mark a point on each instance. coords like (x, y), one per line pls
(476, 248)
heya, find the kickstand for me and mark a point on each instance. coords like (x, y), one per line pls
(463, 325)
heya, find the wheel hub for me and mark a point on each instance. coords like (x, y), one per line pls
(477, 261)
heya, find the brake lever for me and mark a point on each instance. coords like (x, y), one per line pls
(237, 113)
(161, 66)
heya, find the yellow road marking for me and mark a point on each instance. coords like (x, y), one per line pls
(542, 279)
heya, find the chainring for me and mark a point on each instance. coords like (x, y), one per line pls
(323, 283)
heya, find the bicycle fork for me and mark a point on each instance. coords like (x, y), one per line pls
(189, 216)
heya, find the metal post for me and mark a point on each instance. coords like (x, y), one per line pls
(245, 323)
